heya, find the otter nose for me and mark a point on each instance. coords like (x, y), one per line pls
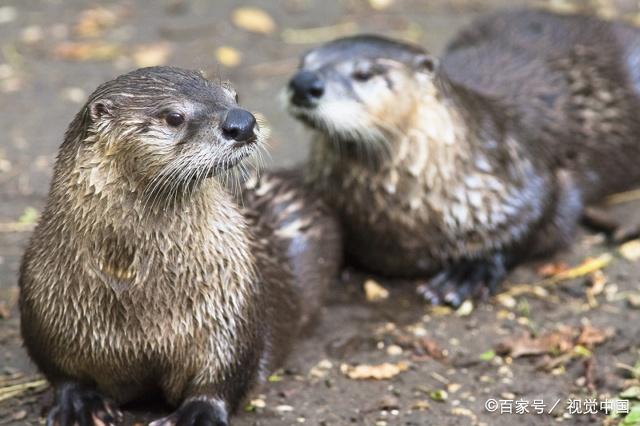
(306, 87)
(238, 125)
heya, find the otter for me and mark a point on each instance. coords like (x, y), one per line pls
(452, 171)
(146, 276)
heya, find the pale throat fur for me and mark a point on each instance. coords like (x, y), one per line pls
(443, 179)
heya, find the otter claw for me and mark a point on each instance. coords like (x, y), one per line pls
(196, 413)
(78, 406)
(475, 279)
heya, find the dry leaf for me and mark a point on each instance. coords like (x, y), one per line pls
(149, 55)
(92, 22)
(374, 372)
(551, 269)
(380, 4)
(87, 51)
(591, 336)
(560, 341)
(228, 56)
(630, 250)
(589, 265)
(431, 348)
(254, 20)
(374, 291)
(5, 312)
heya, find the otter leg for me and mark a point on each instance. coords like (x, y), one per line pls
(77, 405)
(197, 412)
(466, 279)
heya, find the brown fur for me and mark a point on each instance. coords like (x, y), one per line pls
(187, 294)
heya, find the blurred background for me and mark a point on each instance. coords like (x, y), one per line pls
(53, 53)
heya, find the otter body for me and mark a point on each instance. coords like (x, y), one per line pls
(145, 276)
(458, 170)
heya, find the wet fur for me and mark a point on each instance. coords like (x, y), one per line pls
(502, 146)
(181, 291)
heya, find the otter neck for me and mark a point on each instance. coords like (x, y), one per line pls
(124, 243)
(439, 142)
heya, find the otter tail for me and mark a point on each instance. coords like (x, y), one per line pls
(308, 231)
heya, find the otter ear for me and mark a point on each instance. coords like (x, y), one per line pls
(100, 109)
(425, 63)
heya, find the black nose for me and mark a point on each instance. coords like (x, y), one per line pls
(306, 87)
(238, 125)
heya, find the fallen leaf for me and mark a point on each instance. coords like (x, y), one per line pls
(92, 22)
(431, 348)
(374, 292)
(380, 4)
(5, 312)
(551, 269)
(488, 355)
(29, 216)
(153, 54)
(254, 20)
(421, 405)
(591, 336)
(558, 341)
(630, 250)
(228, 56)
(87, 51)
(586, 267)
(633, 418)
(439, 395)
(383, 371)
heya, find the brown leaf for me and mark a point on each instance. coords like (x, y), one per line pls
(383, 371)
(253, 19)
(591, 336)
(524, 345)
(149, 55)
(93, 22)
(5, 312)
(431, 348)
(87, 51)
(551, 269)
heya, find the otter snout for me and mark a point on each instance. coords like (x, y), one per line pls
(306, 88)
(239, 125)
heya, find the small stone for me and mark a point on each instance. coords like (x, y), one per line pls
(394, 350)
(8, 14)
(375, 292)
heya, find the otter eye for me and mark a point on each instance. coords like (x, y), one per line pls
(174, 119)
(237, 98)
(362, 75)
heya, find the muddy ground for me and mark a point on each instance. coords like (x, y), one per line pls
(53, 53)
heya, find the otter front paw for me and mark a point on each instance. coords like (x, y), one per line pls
(196, 412)
(79, 406)
(471, 279)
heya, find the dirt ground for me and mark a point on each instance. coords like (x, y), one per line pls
(559, 339)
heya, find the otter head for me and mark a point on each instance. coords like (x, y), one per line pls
(361, 89)
(164, 125)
